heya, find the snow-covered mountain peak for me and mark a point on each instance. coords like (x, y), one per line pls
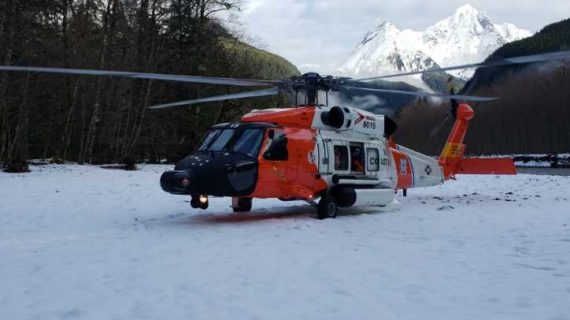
(467, 36)
(468, 18)
(466, 10)
(381, 24)
(382, 29)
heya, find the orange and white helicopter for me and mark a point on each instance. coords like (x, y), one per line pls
(330, 156)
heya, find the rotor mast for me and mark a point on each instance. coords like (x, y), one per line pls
(310, 84)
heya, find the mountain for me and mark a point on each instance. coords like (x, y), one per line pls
(531, 115)
(554, 37)
(467, 36)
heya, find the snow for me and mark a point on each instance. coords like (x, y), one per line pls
(81, 242)
(468, 36)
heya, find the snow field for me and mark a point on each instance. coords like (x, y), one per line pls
(81, 242)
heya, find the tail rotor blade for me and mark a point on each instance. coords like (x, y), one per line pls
(243, 95)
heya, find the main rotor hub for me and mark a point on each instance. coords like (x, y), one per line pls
(311, 83)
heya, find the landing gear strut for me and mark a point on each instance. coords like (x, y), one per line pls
(241, 204)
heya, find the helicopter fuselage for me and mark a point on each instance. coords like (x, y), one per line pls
(302, 154)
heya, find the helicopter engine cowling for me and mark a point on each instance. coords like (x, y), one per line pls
(353, 121)
(349, 119)
(334, 117)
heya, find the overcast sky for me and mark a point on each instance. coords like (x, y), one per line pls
(324, 32)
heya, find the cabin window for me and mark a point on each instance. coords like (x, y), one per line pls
(357, 158)
(340, 158)
(372, 159)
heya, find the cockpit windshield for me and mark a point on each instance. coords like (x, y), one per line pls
(221, 140)
(246, 141)
(214, 141)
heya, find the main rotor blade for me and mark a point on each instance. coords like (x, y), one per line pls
(242, 95)
(427, 94)
(439, 126)
(149, 76)
(542, 57)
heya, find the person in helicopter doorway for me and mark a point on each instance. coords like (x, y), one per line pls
(357, 163)
(452, 89)
(337, 159)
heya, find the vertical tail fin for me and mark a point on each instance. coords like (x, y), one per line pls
(451, 158)
(454, 147)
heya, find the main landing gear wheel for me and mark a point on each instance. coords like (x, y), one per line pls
(241, 205)
(327, 207)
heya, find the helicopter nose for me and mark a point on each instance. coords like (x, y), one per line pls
(177, 182)
(216, 178)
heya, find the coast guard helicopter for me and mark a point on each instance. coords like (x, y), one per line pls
(329, 156)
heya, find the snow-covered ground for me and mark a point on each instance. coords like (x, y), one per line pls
(541, 160)
(81, 242)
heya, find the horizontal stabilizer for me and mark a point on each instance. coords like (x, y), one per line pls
(486, 166)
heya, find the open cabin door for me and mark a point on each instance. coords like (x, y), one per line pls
(323, 155)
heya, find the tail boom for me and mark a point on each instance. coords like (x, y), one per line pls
(452, 161)
(486, 166)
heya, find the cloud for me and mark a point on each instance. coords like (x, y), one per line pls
(368, 102)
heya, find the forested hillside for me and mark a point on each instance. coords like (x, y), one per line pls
(96, 120)
(554, 37)
(531, 115)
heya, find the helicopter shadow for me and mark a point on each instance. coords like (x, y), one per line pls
(258, 215)
(268, 214)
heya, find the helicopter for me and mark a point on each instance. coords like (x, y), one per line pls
(330, 156)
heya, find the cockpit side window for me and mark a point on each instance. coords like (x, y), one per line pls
(249, 142)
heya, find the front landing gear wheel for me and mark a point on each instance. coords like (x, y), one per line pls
(327, 208)
(241, 204)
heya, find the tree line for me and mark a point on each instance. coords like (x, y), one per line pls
(102, 120)
(531, 116)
